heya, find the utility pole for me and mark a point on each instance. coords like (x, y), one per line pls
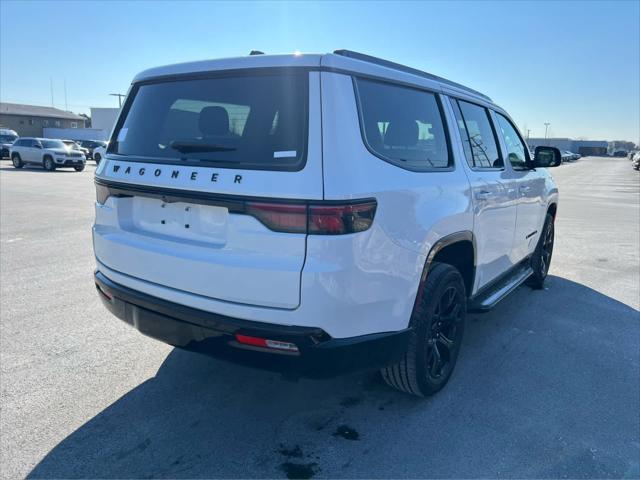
(528, 133)
(546, 128)
(66, 107)
(119, 95)
(51, 85)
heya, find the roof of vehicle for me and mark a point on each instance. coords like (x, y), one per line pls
(341, 61)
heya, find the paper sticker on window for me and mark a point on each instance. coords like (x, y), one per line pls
(122, 134)
(285, 154)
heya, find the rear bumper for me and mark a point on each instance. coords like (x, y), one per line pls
(213, 334)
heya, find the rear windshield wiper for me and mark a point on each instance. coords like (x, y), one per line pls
(193, 147)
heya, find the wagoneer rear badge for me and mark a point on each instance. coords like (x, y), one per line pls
(174, 174)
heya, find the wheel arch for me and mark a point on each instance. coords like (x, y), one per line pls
(458, 250)
(552, 209)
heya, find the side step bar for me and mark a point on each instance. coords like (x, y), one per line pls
(488, 298)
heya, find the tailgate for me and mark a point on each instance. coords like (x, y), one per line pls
(182, 222)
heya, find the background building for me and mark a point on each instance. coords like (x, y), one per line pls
(104, 119)
(583, 147)
(102, 122)
(31, 120)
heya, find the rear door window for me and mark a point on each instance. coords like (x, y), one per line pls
(249, 122)
(403, 125)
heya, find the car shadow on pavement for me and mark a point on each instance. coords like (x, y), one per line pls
(525, 400)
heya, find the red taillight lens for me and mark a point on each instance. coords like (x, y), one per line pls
(315, 218)
(281, 217)
(266, 343)
(341, 219)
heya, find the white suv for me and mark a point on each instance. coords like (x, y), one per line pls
(48, 153)
(317, 213)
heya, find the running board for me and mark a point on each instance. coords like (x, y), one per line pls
(485, 301)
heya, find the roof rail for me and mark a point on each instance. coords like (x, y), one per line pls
(403, 68)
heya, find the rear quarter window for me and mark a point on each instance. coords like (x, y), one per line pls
(251, 121)
(403, 126)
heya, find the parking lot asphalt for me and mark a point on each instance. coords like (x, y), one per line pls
(547, 384)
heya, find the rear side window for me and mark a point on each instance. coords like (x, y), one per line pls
(478, 137)
(250, 121)
(403, 125)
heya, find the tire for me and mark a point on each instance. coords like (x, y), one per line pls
(97, 158)
(79, 169)
(436, 338)
(17, 161)
(541, 258)
(48, 164)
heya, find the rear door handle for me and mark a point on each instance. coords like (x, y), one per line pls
(525, 189)
(483, 194)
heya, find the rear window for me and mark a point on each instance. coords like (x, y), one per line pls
(403, 125)
(249, 122)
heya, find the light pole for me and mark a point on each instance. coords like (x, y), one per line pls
(546, 128)
(119, 95)
(528, 133)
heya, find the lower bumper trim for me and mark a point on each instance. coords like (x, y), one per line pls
(212, 334)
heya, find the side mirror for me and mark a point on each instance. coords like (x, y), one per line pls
(546, 157)
(37, 145)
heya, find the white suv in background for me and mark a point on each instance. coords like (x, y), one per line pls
(98, 154)
(48, 153)
(317, 213)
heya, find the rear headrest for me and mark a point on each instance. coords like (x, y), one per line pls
(401, 133)
(214, 121)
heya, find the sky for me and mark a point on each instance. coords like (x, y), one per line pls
(573, 64)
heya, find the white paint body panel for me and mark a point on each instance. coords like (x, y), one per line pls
(348, 285)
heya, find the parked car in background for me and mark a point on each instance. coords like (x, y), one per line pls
(7, 137)
(237, 228)
(620, 153)
(635, 162)
(72, 144)
(91, 145)
(567, 156)
(98, 154)
(48, 153)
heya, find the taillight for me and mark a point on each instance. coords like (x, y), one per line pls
(102, 193)
(315, 218)
(341, 219)
(281, 217)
